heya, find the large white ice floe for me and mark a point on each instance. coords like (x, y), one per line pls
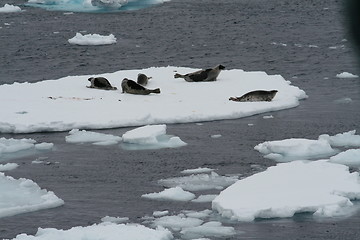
(66, 103)
(104, 231)
(150, 137)
(198, 182)
(23, 195)
(295, 149)
(318, 187)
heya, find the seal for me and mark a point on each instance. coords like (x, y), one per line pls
(142, 79)
(205, 75)
(100, 83)
(255, 96)
(132, 87)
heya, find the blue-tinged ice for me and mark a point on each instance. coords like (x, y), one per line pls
(93, 5)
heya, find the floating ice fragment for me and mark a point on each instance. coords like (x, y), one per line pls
(216, 136)
(197, 170)
(205, 198)
(83, 136)
(344, 100)
(174, 194)
(115, 219)
(289, 188)
(177, 222)
(8, 167)
(209, 229)
(160, 213)
(92, 39)
(198, 182)
(9, 9)
(194, 214)
(44, 146)
(350, 158)
(346, 75)
(346, 139)
(268, 116)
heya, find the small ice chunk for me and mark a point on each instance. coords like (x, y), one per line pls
(160, 213)
(8, 8)
(268, 116)
(209, 229)
(177, 222)
(8, 166)
(343, 100)
(216, 136)
(201, 214)
(198, 182)
(44, 146)
(92, 39)
(350, 158)
(205, 198)
(115, 219)
(346, 75)
(174, 194)
(83, 136)
(197, 170)
(346, 139)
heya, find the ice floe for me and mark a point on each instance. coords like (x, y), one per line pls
(205, 198)
(208, 229)
(198, 182)
(349, 157)
(295, 149)
(8, 167)
(177, 222)
(92, 39)
(318, 187)
(150, 137)
(23, 195)
(346, 139)
(197, 170)
(174, 194)
(104, 231)
(346, 75)
(115, 219)
(8, 8)
(178, 102)
(83, 136)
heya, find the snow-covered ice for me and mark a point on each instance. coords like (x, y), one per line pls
(174, 194)
(346, 139)
(24, 195)
(8, 167)
(92, 39)
(178, 102)
(197, 170)
(319, 187)
(349, 157)
(295, 149)
(198, 182)
(346, 75)
(104, 231)
(208, 229)
(8, 8)
(83, 136)
(115, 219)
(150, 137)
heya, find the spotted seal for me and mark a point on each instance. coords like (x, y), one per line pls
(100, 83)
(132, 87)
(205, 75)
(255, 96)
(142, 79)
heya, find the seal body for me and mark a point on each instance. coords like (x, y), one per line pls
(205, 75)
(100, 83)
(256, 96)
(142, 79)
(132, 87)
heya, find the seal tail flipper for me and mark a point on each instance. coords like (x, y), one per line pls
(177, 75)
(236, 99)
(157, 90)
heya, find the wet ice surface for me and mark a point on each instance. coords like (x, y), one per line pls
(91, 172)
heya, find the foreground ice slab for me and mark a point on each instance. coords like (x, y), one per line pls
(320, 187)
(105, 231)
(23, 195)
(92, 39)
(83, 136)
(66, 103)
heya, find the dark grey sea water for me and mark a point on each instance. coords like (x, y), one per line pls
(304, 41)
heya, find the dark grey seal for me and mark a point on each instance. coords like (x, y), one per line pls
(205, 75)
(142, 79)
(100, 83)
(130, 86)
(255, 96)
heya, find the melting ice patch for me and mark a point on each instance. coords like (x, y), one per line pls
(7, 8)
(174, 194)
(178, 102)
(92, 39)
(208, 229)
(83, 136)
(198, 182)
(93, 5)
(150, 137)
(320, 187)
(104, 231)
(346, 75)
(23, 195)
